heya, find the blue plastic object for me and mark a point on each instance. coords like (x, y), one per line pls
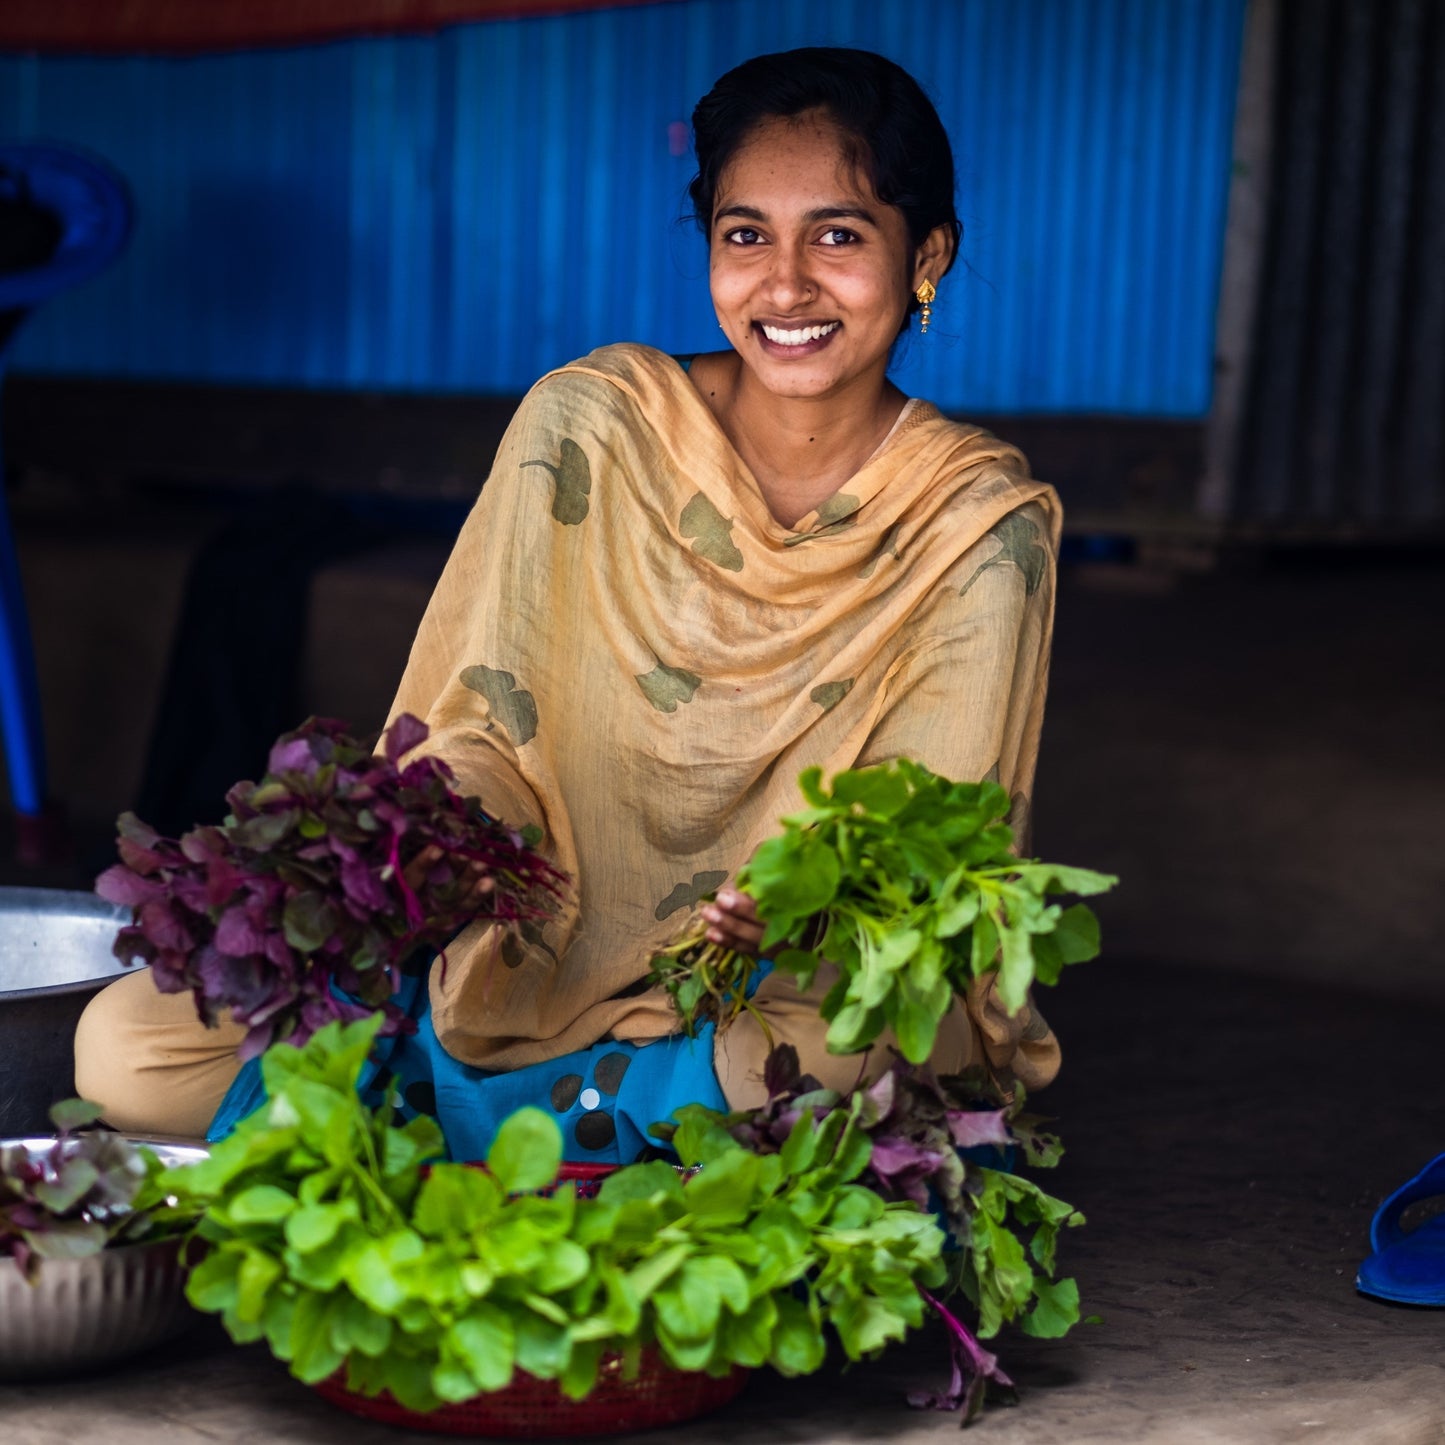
(93, 207)
(1408, 1268)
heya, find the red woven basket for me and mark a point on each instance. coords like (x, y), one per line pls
(535, 1409)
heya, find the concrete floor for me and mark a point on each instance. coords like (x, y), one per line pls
(1252, 1066)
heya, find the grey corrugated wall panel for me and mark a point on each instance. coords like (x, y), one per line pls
(1346, 420)
(464, 210)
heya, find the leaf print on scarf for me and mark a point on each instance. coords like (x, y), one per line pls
(829, 694)
(701, 519)
(510, 705)
(515, 948)
(665, 687)
(834, 515)
(888, 547)
(1019, 543)
(689, 895)
(573, 478)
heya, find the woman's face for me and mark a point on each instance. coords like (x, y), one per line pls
(810, 272)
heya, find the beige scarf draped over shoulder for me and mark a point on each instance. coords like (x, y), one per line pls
(627, 650)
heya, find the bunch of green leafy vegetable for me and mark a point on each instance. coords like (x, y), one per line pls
(918, 1125)
(83, 1192)
(328, 1237)
(904, 881)
(298, 909)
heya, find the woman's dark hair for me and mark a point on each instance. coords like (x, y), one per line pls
(894, 134)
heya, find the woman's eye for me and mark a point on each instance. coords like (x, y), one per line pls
(837, 236)
(743, 236)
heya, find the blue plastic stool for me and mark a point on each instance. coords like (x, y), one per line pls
(93, 207)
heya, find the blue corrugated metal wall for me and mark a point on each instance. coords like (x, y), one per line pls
(465, 210)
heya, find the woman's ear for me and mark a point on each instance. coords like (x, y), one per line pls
(934, 256)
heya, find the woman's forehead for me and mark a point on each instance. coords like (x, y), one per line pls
(801, 161)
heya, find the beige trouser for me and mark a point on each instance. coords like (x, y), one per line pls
(156, 1069)
(148, 1060)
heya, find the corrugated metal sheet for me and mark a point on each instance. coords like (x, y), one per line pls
(1346, 416)
(463, 211)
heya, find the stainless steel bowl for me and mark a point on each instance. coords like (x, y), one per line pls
(81, 1313)
(55, 952)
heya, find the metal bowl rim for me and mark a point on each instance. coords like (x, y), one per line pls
(171, 1154)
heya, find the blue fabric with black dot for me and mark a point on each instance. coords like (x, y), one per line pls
(605, 1098)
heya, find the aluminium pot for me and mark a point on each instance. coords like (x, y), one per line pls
(55, 952)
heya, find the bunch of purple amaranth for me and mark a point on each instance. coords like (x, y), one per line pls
(298, 909)
(1006, 1227)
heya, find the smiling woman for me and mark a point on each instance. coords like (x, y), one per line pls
(825, 189)
(682, 585)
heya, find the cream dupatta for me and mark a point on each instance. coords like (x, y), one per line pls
(627, 650)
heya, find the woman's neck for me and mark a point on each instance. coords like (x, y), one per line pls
(800, 449)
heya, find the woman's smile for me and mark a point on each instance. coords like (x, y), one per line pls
(796, 338)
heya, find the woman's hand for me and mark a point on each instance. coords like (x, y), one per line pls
(476, 881)
(733, 921)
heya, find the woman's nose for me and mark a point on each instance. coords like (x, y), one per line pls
(789, 281)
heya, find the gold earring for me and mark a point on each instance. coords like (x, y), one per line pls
(925, 294)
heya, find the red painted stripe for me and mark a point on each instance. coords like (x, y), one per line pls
(183, 26)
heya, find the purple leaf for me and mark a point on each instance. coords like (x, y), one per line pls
(240, 934)
(781, 1070)
(256, 1042)
(132, 947)
(118, 884)
(973, 1368)
(363, 886)
(163, 923)
(971, 1127)
(292, 754)
(403, 735)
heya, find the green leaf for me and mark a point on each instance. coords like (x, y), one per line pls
(1076, 934)
(66, 1239)
(308, 919)
(254, 1279)
(314, 1225)
(73, 1181)
(356, 1327)
(746, 1339)
(1057, 878)
(1056, 1312)
(724, 1191)
(486, 1342)
(688, 1308)
(983, 945)
(647, 1276)
(797, 1347)
(1016, 971)
(791, 877)
(71, 1114)
(877, 790)
(313, 1356)
(580, 1375)
(212, 1284)
(719, 1275)
(653, 1180)
(527, 1151)
(261, 1204)
(456, 1199)
(915, 1019)
(543, 1348)
(865, 1324)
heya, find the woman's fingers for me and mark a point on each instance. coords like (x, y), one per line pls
(415, 872)
(733, 921)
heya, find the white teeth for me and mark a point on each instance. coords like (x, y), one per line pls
(780, 337)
